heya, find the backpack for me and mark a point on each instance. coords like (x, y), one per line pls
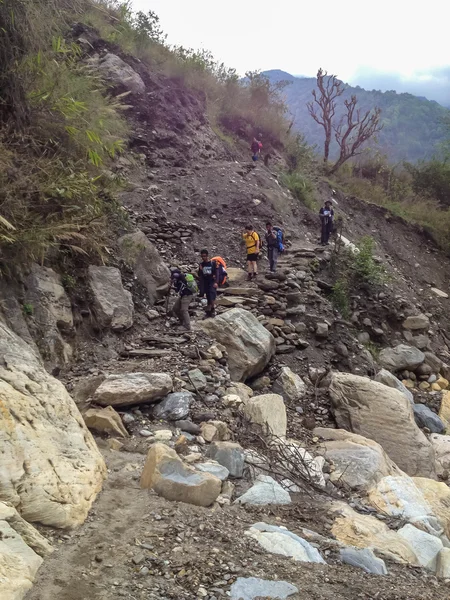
(221, 270)
(261, 241)
(280, 239)
(191, 284)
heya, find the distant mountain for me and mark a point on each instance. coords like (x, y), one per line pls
(413, 126)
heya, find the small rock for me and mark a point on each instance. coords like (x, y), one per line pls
(146, 433)
(229, 455)
(322, 330)
(364, 559)
(163, 435)
(174, 407)
(252, 588)
(265, 491)
(214, 468)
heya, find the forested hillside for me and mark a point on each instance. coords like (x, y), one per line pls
(413, 127)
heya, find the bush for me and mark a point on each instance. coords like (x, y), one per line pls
(301, 187)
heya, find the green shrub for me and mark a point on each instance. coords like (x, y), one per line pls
(340, 297)
(301, 187)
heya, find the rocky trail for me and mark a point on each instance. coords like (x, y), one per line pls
(279, 450)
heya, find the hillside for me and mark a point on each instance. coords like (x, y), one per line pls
(293, 446)
(413, 127)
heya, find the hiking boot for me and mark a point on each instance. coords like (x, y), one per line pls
(249, 277)
(255, 275)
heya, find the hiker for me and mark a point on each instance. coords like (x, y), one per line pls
(207, 275)
(256, 149)
(272, 246)
(253, 244)
(326, 214)
(185, 292)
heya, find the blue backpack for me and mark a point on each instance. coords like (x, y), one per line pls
(280, 239)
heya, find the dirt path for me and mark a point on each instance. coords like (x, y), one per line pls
(135, 545)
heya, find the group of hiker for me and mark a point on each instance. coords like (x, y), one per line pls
(212, 271)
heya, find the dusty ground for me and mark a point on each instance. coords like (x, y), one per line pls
(136, 545)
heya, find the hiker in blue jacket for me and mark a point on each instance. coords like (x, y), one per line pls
(326, 214)
(275, 245)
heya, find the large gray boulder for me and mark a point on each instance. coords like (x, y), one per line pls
(401, 357)
(279, 540)
(359, 463)
(383, 414)
(113, 305)
(147, 264)
(126, 389)
(387, 378)
(425, 417)
(50, 314)
(50, 466)
(114, 69)
(230, 455)
(248, 343)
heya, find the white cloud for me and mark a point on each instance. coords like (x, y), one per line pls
(395, 36)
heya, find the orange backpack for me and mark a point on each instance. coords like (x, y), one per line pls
(221, 267)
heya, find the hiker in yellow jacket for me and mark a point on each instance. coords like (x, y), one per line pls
(253, 244)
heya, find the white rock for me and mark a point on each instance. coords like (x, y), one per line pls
(252, 588)
(163, 435)
(425, 546)
(113, 305)
(126, 389)
(268, 411)
(279, 540)
(265, 491)
(213, 468)
(289, 385)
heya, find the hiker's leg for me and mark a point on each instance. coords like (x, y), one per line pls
(185, 318)
(324, 232)
(255, 265)
(176, 310)
(270, 257)
(274, 259)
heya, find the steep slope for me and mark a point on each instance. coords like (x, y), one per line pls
(412, 126)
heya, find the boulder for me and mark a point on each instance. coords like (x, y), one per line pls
(364, 559)
(174, 407)
(441, 446)
(443, 564)
(279, 540)
(22, 549)
(437, 496)
(426, 547)
(149, 268)
(387, 378)
(229, 455)
(166, 473)
(364, 531)
(51, 314)
(265, 491)
(401, 357)
(417, 322)
(444, 410)
(105, 420)
(113, 305)
(120, 73)
(425, 417)
(213, 468)
(268, 411)
(359, 463)
(289, 385)
(400, 497)
(51, 468)
(240, 389)
(252, 588)
(384, 415)
(248, 343)
(126, 389)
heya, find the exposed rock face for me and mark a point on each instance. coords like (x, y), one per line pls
(166, 473)
(359, 463)
(148, 266)
(290, 385)
(248, 343)
(120, 73)
(127, 389)
(390, 380)
(51, 314)
(268, 411)
(21, 551)
(364, 531)
(50, 466)
(401, 357)
(113, 304)
(383, 414)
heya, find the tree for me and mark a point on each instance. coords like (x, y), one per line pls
(330, 88)
(352, 130)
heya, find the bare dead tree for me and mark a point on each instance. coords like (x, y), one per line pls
(353, 130)
(323, 109)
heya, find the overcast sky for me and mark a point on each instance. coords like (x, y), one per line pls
(397, 44)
